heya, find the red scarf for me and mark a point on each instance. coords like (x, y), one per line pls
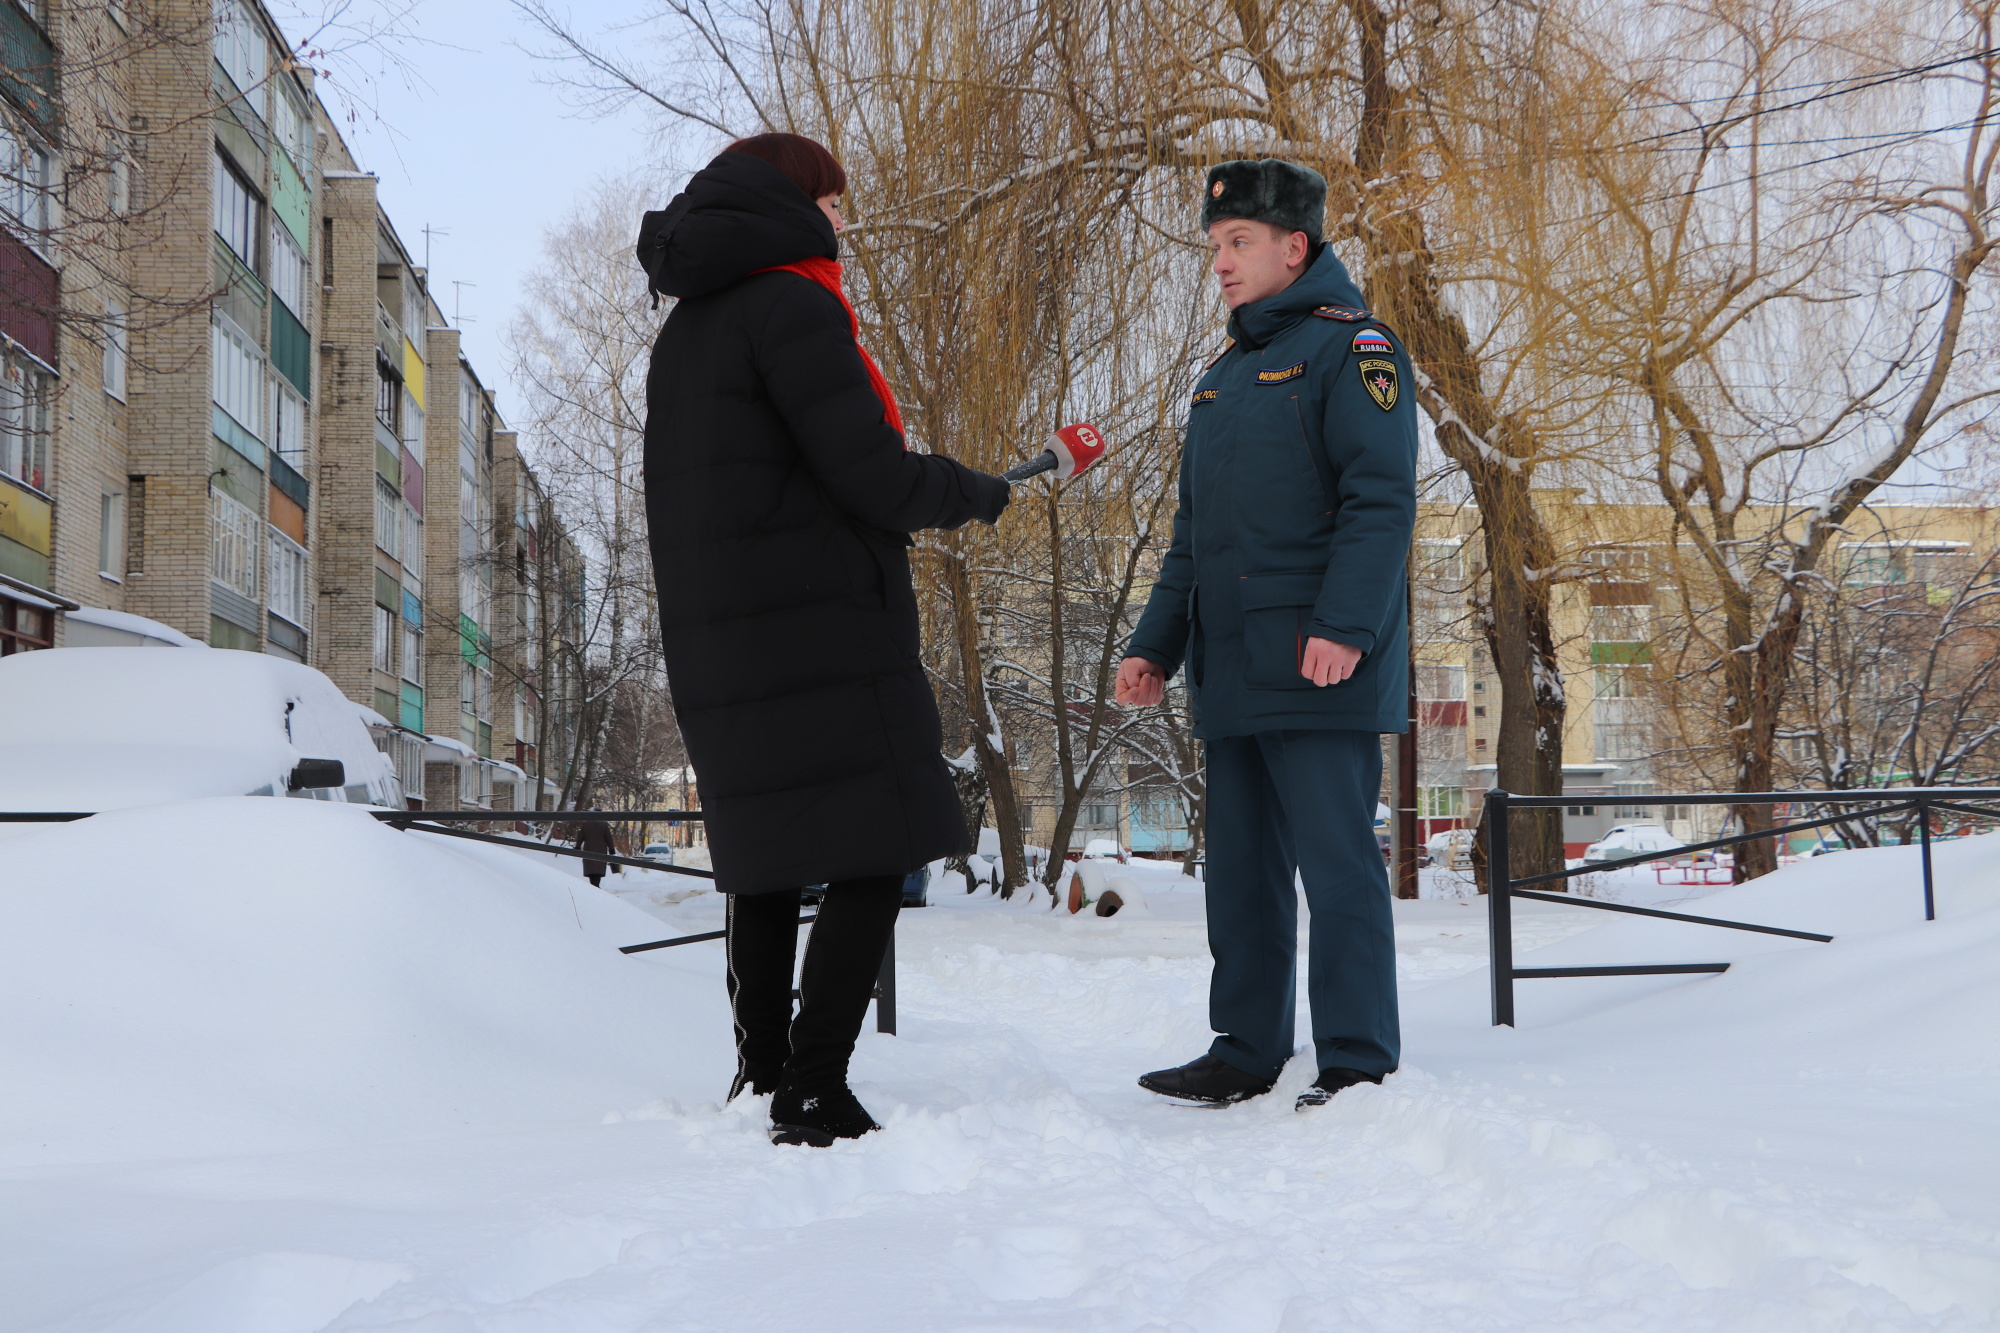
(826, 272)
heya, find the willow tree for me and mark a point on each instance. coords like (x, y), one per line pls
(1786, 296)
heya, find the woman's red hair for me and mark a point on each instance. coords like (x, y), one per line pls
(805, 162)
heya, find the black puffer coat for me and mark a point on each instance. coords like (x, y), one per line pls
(780, 503)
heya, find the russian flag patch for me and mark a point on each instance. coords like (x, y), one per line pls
(1373, 342)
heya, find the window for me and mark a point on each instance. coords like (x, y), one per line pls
(1441, 802)
(467, 687)
(413, 654)
(289, 269)
(118, 188)
(413, 312)
(412, 553)
(388, 396)
(385, 639)
(288, 422)
(388, 517)
(238, 212)
(237, 374)
(239, 46)
(1440, 682)
(24, 628)
(288, 579)
(111, 535)
(24, 420)
(1100, 816)
(290, 125)
(232, 549)
(27, 184)
(413, 423)
(115, 344)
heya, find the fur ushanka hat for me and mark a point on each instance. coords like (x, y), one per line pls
(1284, 194)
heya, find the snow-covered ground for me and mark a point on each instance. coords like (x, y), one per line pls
(273, 1068)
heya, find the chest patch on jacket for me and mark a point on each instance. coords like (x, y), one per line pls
(1373, 342)
(1205, 396)
(1347, 314)
(1379, 378)
(1279, 376)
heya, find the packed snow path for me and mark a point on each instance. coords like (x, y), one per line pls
(1803, 1144)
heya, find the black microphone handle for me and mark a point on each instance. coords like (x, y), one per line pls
(1021, 472)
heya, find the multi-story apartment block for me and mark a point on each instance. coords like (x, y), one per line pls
(224, 383)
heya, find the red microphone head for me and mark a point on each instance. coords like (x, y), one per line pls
(1076, 447)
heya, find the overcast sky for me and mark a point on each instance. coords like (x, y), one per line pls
(479, 149)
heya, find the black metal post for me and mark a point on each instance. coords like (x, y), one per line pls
(885, 990)
(1924, 825)
(1499, 908)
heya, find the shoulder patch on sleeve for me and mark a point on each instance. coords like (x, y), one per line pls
(1373, 342)
(1379, 377)
(1347, 314)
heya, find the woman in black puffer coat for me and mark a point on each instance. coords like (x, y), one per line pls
(780, 499)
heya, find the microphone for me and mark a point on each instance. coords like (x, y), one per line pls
(1070, 450)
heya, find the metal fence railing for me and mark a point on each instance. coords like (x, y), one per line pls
(1504, 886)
(434, 822)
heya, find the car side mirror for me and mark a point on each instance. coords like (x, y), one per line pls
(313, 773)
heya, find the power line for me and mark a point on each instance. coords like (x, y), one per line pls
(1838, 138)
(1893, 76)
(1903, 72)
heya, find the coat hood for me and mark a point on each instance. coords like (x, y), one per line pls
(1325, 282)
(738, 214)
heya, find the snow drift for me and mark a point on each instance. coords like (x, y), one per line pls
(243, 975)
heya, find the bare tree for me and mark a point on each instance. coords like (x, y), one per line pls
(579, 351)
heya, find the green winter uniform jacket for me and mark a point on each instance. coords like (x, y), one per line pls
(1297, 501)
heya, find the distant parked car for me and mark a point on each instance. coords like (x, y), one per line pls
(663, 852)
(1625, 840)
(1452, 848)
(1103, 849)
(91, 729)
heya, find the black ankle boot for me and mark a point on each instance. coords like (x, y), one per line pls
(843, 956)
(817, 1116)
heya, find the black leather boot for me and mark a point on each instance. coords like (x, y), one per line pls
(762, 941)
(1211, 1079)
(1329, 1082)
(843, 958)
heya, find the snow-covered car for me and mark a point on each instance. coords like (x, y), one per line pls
(663, 852)
(1103, 849)
(92, 729)
(1452, 848)
(1623, 840)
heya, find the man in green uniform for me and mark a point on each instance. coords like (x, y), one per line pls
(1283, 595)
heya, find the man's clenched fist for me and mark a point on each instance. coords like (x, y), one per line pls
(1326, 662)
(1142, 682)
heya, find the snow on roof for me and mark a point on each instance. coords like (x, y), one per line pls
(124, 622)
(455, 746)
(375, 719)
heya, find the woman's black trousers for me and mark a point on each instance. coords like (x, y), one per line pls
(844, 954)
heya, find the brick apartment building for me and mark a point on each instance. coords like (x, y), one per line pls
(230, 407)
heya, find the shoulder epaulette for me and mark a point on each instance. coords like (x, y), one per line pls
(1226, 348)
(1345, 313)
